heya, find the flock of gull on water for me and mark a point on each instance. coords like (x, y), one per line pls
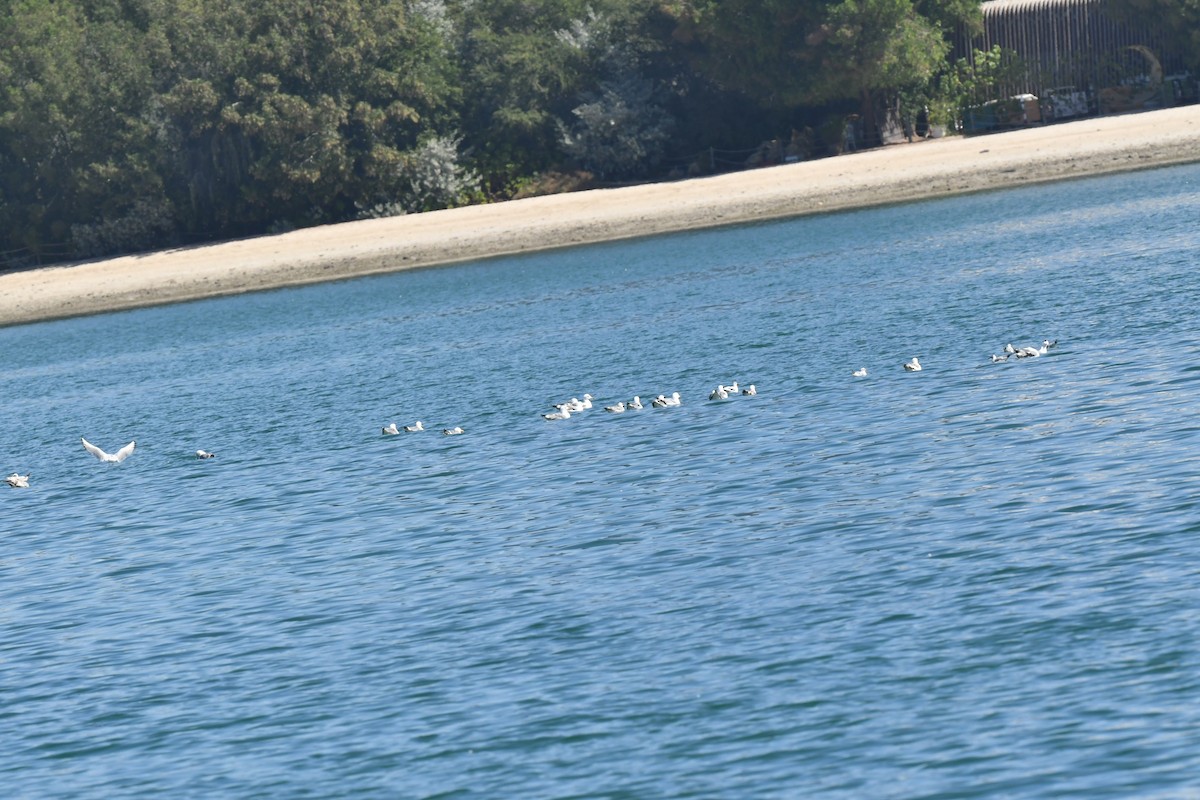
(576, 406)
(565, 410)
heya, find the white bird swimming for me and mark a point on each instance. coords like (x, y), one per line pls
(17, 481)
(575, 404)
(750, 391)
(619, 408)
(416, 426)
(1047, 344)
(660, 401)
(635, 403)
(731, 388)
(391, 430)
(861, 372)
(112, 458)
(1008, 348)
(455, 431)
(719, 393)
(674, 400)
(1027, 352)
(913, 366)
(564, 413)
(205, 454)
(997, 359)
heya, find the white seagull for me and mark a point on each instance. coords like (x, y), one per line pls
(617, 409)
(635, 403)
(113, 458)
(205, 454)
(391, 430)
(575, 404)
(564, 413)
(719, 393)
(750, 391)
(674, 400)
(455, 431)
(17, 481)
(417, 426)
(861, 372)
(913, 366)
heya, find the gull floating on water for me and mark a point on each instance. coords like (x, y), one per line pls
(913, 366)
(205, 454)
(455, 431)
(17, 481)
(391, 430)
(635, 403)
(416, 426)
(719, 393)
(861, 372)
(563, 413)
(750, 391)
(113, 458)
(575, 404)
(997, 359)
(662, 401)
(617, 409)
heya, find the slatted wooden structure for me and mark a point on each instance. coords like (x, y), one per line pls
(1073, 43)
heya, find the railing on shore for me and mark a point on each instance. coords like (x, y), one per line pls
(28, 258)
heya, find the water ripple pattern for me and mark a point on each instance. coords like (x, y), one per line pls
(978, 580)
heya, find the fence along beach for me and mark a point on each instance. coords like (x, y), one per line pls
(897, 173)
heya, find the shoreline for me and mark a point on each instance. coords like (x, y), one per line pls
(921, 170)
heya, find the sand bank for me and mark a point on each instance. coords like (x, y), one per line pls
(898, 173)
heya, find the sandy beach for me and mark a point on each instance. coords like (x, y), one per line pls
(898, 173)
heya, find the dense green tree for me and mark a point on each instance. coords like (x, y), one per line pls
(68, 150)
(519, 78)
(125, 122)
(812, 52)
(309, 113)
(756, 47)
(872, 48)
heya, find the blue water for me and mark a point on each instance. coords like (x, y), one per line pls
(979, 580)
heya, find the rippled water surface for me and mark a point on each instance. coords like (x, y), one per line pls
(979, 580)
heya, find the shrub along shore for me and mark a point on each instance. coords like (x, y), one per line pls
(921, 170)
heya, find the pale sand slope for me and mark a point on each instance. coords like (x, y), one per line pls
(934, 168)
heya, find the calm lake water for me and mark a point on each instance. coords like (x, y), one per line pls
(979, 580)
